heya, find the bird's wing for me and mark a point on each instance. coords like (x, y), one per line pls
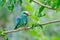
(17, 22)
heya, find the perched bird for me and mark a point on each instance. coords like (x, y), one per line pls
(22, 20)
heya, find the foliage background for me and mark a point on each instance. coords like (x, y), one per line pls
(10, 9)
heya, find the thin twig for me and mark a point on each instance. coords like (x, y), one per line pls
(51, 22)
(19, 29)
(46, 6)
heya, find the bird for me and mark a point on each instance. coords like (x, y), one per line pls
(22, 20)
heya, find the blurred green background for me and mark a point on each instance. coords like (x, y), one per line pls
(10, 9)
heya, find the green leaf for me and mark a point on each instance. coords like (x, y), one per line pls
(29, 8)
(33, 32)
(53, 5)
(30, 1)
(11, 7)
(6, 39)
(20, 2)
(33, 25)
(37, 25)
(34, 17)
(2, 2)
(2, 33)
(12, 1)
(57, 3)
(48, 2)
(40, 10)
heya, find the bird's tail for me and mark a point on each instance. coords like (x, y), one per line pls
(15, 27)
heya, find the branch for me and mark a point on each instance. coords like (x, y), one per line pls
(19, 29)
(46, 6)
(51, 22)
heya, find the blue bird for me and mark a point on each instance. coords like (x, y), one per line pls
(22, 20)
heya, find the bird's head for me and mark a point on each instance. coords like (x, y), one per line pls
(26, 13)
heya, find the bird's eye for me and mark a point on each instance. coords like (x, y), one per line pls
(24, 13)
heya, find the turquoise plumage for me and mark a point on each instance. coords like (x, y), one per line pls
(22, 20)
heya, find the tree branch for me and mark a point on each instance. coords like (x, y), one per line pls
(51, 22)
(46, 6)
(19, 29)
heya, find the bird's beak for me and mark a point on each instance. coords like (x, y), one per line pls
(28, 14)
